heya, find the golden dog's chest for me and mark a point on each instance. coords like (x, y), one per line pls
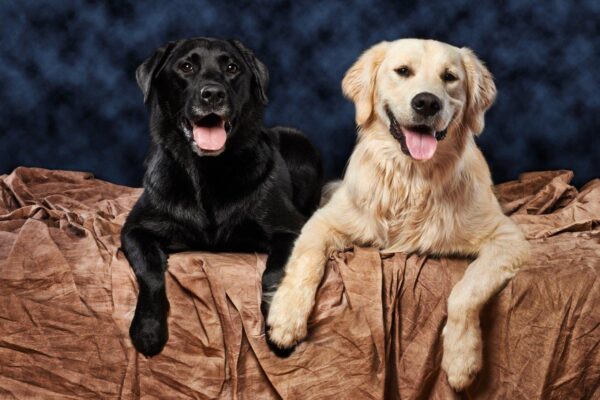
(425, 227)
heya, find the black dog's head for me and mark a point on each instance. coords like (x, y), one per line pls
(205, 89)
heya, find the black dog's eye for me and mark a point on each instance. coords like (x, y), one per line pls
(449, 77)
(186, 67)
(232, 68)
(403, 71)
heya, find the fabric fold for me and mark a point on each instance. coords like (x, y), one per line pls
(68, 296)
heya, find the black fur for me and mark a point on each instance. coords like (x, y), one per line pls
(254, 195)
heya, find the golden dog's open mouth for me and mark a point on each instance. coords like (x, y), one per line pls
(417, 141)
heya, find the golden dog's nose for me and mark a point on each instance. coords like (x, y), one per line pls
(426, 104)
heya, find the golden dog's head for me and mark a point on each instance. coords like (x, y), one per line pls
(426, 92)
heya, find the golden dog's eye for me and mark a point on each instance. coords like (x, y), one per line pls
(186, 67)
(232, 68)
(449, 77)
(403, 71)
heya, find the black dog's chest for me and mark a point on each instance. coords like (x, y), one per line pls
(245, 236)
(232, 226)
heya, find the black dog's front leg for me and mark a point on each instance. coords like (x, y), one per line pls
(148, 331)
(283, 223)
(281, 248)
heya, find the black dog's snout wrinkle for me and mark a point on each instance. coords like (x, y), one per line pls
(426, 104)
(212, 95)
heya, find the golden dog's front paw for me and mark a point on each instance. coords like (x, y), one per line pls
(462, 357)
(288, 317)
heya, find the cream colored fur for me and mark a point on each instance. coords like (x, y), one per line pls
(442, 206)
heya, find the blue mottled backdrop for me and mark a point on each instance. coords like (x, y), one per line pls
(69, 98)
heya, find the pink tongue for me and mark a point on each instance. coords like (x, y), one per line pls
(211, 139)
(421, 146)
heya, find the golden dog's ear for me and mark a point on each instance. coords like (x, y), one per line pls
(359, 82)
(481, 91)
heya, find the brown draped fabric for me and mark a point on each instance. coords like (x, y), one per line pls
(67, 296)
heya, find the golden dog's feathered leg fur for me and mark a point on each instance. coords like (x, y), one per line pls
(442, 207)
(499, 257)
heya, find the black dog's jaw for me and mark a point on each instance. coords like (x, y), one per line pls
(216, 179)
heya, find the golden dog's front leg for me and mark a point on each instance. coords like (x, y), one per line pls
(294, 299)
(499, 258)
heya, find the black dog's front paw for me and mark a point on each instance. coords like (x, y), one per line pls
(149, 334)
(281, 352)
(265, 306)
(270, 283)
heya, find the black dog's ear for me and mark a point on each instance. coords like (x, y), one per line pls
(259, 70)
(150, 68)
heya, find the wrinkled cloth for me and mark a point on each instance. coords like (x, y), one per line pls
(67, 297)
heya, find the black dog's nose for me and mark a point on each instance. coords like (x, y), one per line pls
(212, 94)
(426, 104)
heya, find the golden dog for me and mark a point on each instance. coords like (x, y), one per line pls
(416, 183)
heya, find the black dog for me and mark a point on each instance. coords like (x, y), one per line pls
(216, 179)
